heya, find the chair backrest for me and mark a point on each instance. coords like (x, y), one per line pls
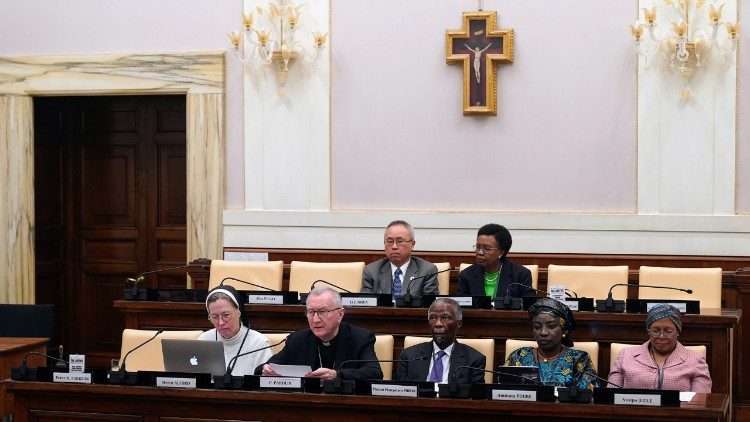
(485, 346)
(267, 274)
(533, 268)
(149, 356)
(384, 351)
(590, 281)
(345, 274)
(443, 279)
(274, 338)
(27, 321)
(705, 283)
(616, 348)
(590, 347)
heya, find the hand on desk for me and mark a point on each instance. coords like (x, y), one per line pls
(322, 373)
(268, 371)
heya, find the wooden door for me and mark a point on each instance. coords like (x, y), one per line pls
(111, 203)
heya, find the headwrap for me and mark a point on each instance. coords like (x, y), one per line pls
(662, 311)
(236, 297)
(558, 311)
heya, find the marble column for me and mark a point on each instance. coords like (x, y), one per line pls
(16, 199)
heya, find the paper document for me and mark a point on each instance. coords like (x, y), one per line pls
(686, 395)
(291, 370)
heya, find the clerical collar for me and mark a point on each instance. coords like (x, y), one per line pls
(329, 343)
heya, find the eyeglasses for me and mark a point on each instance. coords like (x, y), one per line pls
(397, 242)
(656, 333)
(223, 317)
(321, 312)
(484, 249)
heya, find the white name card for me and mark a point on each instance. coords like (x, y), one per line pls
(394, 390)
(75, 377)
(359, 301)
(258, 299)
(175, 382)
(572, 304)
(280, 382)
(557, 292)
(638, 399)
(516, 395)
(464, 300)
(681, 306)
(77, 363)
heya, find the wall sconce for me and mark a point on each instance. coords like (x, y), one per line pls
(272, 36)
(694, 34)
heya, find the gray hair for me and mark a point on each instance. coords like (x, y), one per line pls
(319, 291)
(457, 312)
(402, 223)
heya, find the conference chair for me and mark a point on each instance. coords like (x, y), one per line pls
(533, 268)
(384, 351)
(590, 347)
(485, 346)
(149, 356)
(267, 274)
(443, 279)
(616, 348)
(274, 338)
(347, 275)
(590, 281)
(705, 283)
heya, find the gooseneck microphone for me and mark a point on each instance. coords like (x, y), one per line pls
(407, 294)
(233, 361)
(141, 278)
(611, 305)
(384, 360)
(515, 303)
(330, 284)
(523, 379)
(60, 364)
(122, 372)
(221, 283)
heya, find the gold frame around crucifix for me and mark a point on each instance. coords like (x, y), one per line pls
(490, 86)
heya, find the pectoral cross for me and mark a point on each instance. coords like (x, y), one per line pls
(479, 45)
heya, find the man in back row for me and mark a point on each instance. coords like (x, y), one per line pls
(400, 271)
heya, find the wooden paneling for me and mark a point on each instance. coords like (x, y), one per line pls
(119, 171)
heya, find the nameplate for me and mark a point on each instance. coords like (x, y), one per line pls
(280, 382)
(359, 301)
(638, 399)
(259, 299)
(572, 304)
(463, 300)
(175, 382)
(515, 395)
(681, 306)
(74, 377)
(394, 390)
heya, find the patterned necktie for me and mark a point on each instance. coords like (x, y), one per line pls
(437, 369)
(397, 282)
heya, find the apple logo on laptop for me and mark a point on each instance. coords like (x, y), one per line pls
(194, 361)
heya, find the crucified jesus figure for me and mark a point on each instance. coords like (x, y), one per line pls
(477, 60)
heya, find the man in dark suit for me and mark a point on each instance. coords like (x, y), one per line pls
(493, 274)
(441, 357)
(399, 271)
(328, 343)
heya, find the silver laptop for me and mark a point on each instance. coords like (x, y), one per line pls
(193, 356)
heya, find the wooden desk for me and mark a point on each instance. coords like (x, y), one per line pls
(48, 401)
(12, 351)
(712, 328)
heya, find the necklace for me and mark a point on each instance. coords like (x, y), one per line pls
(550, 358)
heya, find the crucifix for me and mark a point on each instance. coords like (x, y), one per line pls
(479, 45)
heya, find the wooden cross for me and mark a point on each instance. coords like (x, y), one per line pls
(479, 45)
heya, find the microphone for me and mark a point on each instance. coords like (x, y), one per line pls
(135, 292)
(330, 284)
(462, 391)
(515, 303)
(407, 294)
(347, 386)
(384, 360)
(122, 372)
(568, 294)
(20, 373)
(221, 283)
(233, 361)
(611, 305)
